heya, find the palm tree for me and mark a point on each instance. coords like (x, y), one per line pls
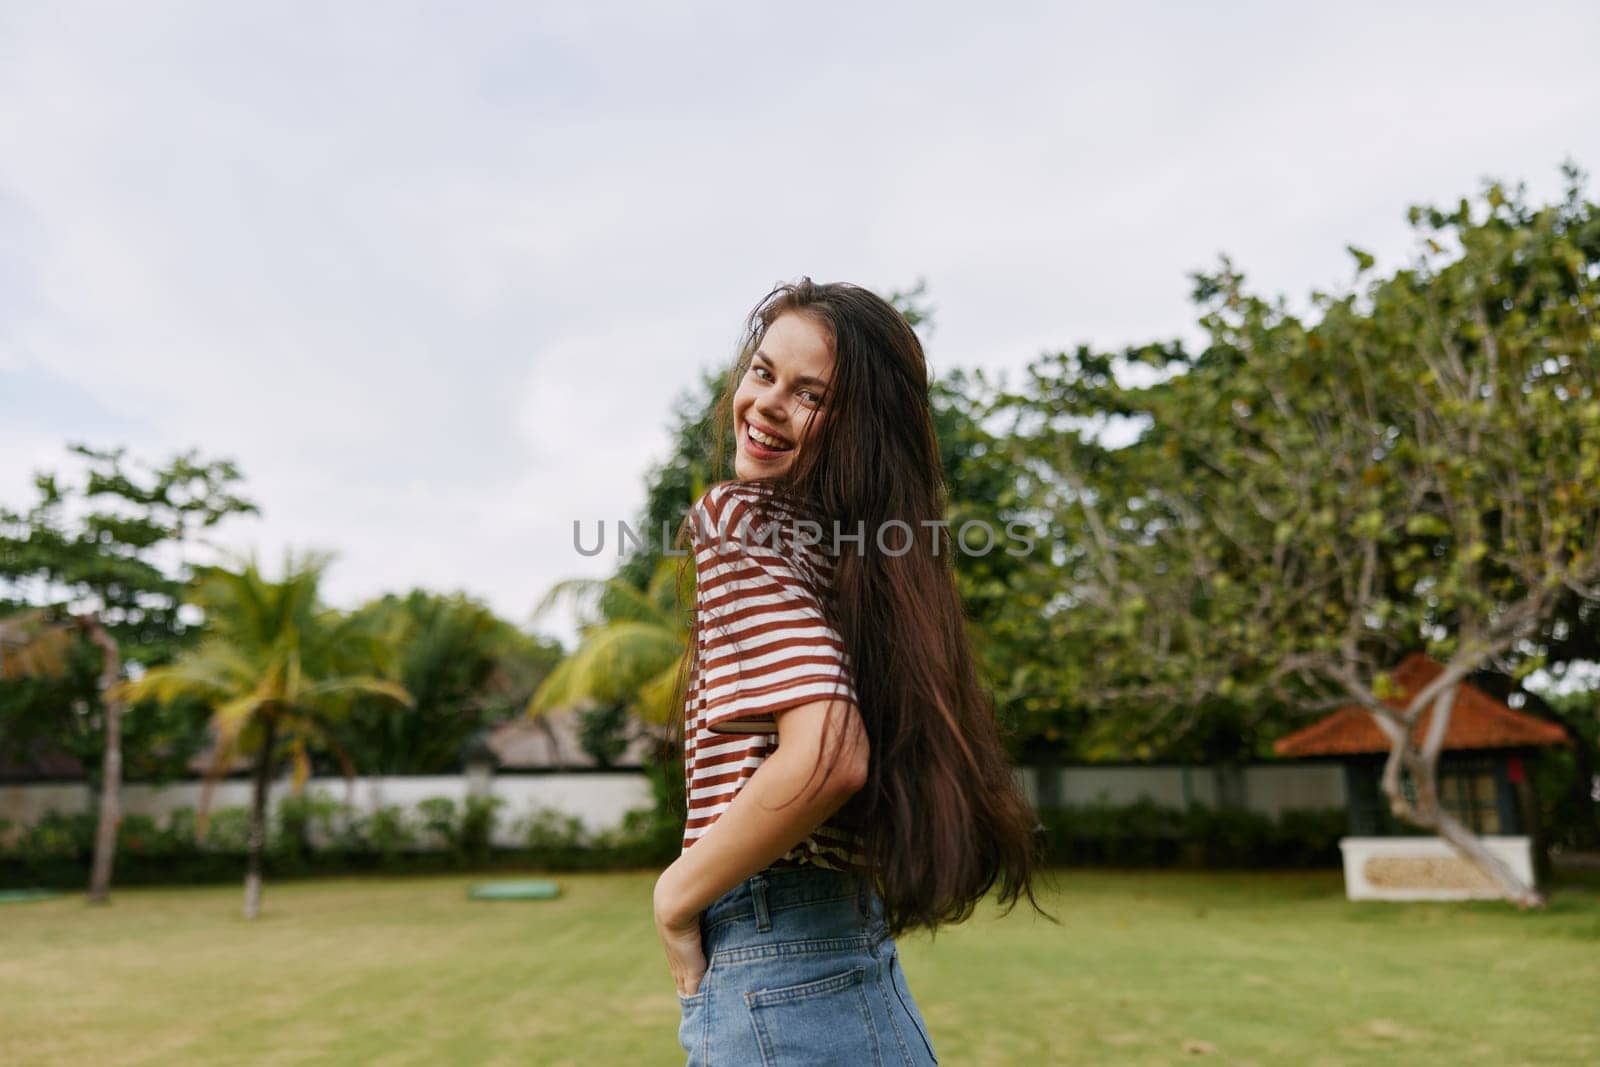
(631, 643)
(277, 668)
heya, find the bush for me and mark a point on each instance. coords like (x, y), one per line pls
(227, 830)
(440, 819)
(646, 837)
(292, 843)
(389, 834)
(477, 827)
(550, 830)
(140, 835)
(59, 836)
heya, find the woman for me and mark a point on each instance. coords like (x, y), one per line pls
(846, 777)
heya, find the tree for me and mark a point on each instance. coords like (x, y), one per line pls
(1000, 595)
(672, 486)
(103, 575)
(1306, 501)
(604, 732)
(278, 669)
(466, 670)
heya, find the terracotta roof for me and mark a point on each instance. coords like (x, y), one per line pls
(1477, 721)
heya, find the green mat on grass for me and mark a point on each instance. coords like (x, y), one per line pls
(17, 896)
(514, 891)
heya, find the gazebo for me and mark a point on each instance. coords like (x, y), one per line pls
(1483, 782)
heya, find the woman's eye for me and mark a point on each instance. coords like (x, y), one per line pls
(810, 397)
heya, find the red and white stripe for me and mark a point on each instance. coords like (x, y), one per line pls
(764, 646)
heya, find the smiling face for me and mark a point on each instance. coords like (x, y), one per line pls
(779, 404)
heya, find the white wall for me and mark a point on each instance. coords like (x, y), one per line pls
(598, 800)
(24, 805)
(1269, 788)
(1272, 789)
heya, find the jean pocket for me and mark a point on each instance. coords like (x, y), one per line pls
(824, 1021)
(897, 978)
(692, 1023)
(700, 991)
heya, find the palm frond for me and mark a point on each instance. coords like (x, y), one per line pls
(602, 600)
(216, 670)
(656, 699)
(609, 666)
(358, 685)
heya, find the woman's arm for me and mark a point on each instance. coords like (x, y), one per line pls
(753, 830)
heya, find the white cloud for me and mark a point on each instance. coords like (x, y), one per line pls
(433, 277)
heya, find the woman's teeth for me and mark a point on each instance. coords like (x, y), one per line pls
(766, 440)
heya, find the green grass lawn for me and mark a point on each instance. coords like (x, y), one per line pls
(1248, 968)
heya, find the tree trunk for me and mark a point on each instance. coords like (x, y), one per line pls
(258, 820)
(105, 838)
(1427, 812)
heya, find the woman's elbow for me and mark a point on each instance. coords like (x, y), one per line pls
(852, 775)
(855, 761)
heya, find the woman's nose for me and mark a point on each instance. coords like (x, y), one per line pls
(771, 405)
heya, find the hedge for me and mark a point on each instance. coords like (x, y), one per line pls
(316, 836)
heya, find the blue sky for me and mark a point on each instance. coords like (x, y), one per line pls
(432, 274)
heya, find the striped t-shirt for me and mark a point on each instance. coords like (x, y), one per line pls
(763, 646)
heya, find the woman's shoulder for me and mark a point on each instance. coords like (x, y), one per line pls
(724, 508)
(720, 494)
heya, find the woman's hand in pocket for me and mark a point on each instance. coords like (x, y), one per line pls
(680, 938)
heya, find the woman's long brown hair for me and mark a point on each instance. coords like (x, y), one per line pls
(941, 818)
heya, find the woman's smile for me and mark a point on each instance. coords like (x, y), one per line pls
(764, 442)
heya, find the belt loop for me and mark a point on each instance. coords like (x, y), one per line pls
(758, 894)
(870, 904)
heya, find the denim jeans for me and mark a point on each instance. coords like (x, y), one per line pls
(796, 974)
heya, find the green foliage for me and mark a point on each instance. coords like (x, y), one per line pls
(1003, 593)
(631, 644)
(275, 657)
(440, 821)
(1564, 778)
(316, 834)
(548, 829)
(303, 819)
(603, 732)
(673, 485)
(478, 817)
(465, 668)
(389, 833)
(465, 830)
(59, 836)
(227, 830)
(112, 542)
(1258, 530)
